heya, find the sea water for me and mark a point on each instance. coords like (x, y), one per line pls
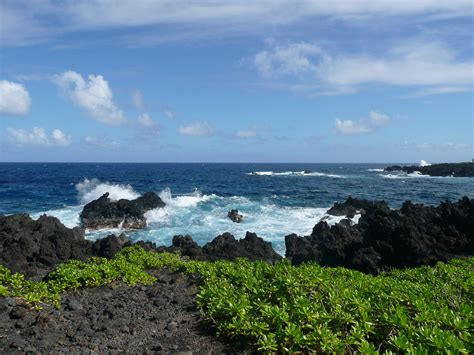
(275, 199)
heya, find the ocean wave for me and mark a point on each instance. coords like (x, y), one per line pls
(203, 216)
(294, 173)
(91, 189)
(378, 170)
(402, 175)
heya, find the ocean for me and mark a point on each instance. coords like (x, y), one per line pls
(275, 199)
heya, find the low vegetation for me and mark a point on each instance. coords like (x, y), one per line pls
(283, 308)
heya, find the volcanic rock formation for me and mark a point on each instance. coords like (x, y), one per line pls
(105, 213)
(411, 236)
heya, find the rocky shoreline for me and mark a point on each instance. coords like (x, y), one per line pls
(445, 169)
(163, 317)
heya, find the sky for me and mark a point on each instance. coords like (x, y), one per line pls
(236, 81)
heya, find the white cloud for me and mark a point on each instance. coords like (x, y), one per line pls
(246, 134)
(294, 59)
(145, 121)
(59, 138)
(38, 137)
(93, 95)
(415, 63)
(26, 24)
(137, 99)
(14, 99)
(169, 113)
(197, 129)
(374, 122)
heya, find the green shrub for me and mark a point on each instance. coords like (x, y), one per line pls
(283, 308)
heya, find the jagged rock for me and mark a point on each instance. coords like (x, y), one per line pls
(109, 246)
(225, 246)
(105, 213)
(445, 169)
(351, 206)
(412, 236)
(34, 247)
(235, 216)
(188, 247)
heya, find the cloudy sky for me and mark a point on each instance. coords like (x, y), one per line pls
(236, 81)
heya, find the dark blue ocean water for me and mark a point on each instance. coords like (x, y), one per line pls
(277, 201)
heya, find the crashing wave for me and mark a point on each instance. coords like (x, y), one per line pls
(293, 173)
(91, 189)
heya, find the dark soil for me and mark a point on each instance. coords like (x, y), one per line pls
(161, 318)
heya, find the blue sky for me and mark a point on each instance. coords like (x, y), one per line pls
(236, 81)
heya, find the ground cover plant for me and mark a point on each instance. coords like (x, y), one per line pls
(283, 308)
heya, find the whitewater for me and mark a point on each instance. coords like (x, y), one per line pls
(198, 215)
(275, 199)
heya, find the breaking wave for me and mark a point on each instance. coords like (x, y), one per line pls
(89, 190)
(293, 173)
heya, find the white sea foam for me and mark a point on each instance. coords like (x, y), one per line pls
(294, 173)
(201, 216)
(92, 189)
(402, 175)
(69, 215)
(424, 163)
(378, 170)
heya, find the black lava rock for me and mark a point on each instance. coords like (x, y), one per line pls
(412, 236)
(235, 216)
(34, 247)
(445, 169)
(105, 213)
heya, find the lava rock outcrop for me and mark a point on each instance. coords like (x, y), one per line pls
(383, 239)
(445, 169)
(105, 213)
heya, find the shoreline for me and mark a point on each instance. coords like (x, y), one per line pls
(163, 316)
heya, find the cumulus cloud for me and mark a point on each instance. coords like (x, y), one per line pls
(94, 95)
(433, 66)
(38, 137)
(375, 121)
(196, 129)
(14, 99)
(169, 113)
(146, 121)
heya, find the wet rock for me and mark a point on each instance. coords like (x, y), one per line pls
(412, 236)
(352, 206)
(105, 213)
(235, 216)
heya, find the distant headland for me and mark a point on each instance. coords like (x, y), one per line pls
(445, 169)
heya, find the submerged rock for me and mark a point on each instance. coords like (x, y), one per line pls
(105, 213)
(235, 216)
(412, 236)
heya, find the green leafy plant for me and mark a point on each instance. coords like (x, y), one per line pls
(283, 308)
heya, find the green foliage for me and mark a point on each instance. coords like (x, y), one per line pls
(332, 310)
(283, 308)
